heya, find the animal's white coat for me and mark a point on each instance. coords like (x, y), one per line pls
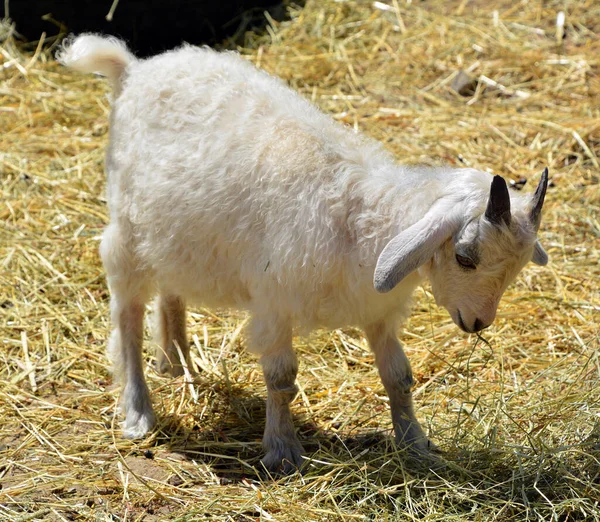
(226, 188)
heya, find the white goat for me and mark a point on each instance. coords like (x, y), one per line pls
(226, 188)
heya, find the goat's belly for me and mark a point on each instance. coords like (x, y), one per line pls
(200, 287)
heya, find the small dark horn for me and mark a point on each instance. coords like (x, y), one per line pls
(538, 200)
(498, 207)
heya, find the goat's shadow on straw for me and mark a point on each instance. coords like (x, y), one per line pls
(229, 441)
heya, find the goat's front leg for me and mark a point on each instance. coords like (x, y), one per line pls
(283, 451)
(396, 375)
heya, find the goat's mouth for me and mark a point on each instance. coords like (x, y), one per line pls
(461, 324)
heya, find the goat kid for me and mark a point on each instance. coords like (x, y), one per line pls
(226, 188)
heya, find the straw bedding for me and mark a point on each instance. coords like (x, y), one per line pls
(517, 414)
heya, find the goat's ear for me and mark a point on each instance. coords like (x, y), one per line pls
(410, 249)
(539, 255)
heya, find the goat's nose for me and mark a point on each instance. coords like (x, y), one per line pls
(479, 325)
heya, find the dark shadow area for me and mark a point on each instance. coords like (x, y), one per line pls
(231, 444)
(148, 26)
(230, 441)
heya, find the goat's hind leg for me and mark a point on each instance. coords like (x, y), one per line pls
(128, 298)
(170, 335)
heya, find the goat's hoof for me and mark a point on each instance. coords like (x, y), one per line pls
(425, 445)
(283, 461)
(138, 424)
(420, 448)
(415, 441)
(164, 367)
(425, 453)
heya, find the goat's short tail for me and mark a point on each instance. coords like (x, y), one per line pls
(96, 54)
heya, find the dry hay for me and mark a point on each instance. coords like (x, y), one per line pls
(518, 418)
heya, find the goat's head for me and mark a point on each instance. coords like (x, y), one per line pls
(469, 255)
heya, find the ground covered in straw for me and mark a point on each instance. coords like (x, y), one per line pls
(518, 418)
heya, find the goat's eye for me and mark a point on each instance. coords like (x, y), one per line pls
(465, 262)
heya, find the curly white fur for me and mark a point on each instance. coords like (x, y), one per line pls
(227, 188)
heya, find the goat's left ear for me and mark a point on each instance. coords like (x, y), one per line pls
(539, 256)
(412, 248)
